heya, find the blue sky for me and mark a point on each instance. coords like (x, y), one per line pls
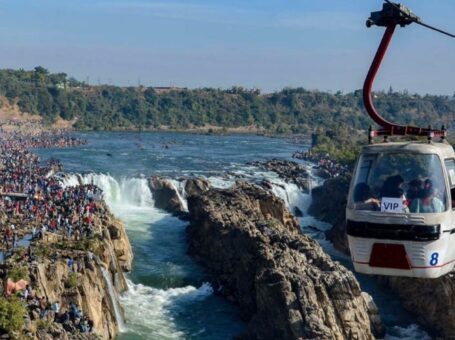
(318, 44)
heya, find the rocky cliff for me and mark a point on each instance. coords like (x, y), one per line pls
(166, 196)
(329, 205)
(285, 285)
(92, 283)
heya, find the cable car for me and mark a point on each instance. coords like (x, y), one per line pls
(400, 214)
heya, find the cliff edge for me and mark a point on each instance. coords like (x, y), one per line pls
(84, 276)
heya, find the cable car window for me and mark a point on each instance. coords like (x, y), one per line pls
(400, 183)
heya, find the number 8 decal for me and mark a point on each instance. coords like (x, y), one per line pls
(434, 259)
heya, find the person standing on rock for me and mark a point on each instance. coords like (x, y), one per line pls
(79, 264)
(71, 264)
(43, 232)
(14, 239)
(56, 310)
(42, 306)
(7, 236)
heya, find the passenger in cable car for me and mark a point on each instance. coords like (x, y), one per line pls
(392, 187)
(427, 202)
(363, 199)
(414, 188)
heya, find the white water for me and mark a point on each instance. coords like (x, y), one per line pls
(411, 332)
(179, 187)
(291, 195)
(148, 308)
(110, 287)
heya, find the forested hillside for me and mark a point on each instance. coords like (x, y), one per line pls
(290, 110)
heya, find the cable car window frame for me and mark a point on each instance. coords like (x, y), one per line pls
(364, 171)
(451, 179)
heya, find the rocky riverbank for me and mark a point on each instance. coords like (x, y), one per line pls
(283, 282)
(328, 204)
(85, 273)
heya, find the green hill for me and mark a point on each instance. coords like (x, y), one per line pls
(296, 110)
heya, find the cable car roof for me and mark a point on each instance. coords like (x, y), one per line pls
(444, 150)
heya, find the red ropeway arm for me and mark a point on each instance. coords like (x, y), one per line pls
(389, 128)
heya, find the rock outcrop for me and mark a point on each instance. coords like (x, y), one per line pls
(100, 260)
(329, 205)
(290, 171)
(285, 285)
(114, 230)
(166, 195)
(196, 186)
(431, 300)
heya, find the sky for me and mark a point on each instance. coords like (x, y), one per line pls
(265, 44)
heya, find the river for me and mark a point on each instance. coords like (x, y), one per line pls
(169, 296)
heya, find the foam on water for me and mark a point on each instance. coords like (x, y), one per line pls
(411, 332)
(221, 182)
(150, 309)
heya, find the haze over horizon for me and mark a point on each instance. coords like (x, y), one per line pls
(256, 44)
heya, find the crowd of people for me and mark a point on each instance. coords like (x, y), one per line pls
(30, 195)
(329, 167)
(71, 318)
(35, 203)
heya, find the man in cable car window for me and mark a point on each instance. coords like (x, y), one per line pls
(427, 202)
(392, 195)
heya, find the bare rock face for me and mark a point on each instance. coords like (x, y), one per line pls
(114, 231)
(290, 171)
(285, 285)
(166, 196)
(329, 205)
(432, 300)
(196, 186)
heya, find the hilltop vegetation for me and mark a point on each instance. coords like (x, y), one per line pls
(297, 110)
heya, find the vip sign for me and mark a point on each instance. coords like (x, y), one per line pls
(390, 204)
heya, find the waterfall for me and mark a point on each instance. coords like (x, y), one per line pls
(112, 295)
(123, 193)
(291, 195)
(179, 187)
(114, 262)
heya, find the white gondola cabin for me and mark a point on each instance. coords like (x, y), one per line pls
(400, 216)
